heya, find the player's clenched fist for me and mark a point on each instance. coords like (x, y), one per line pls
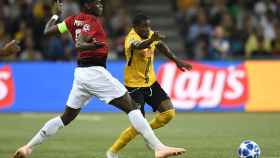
(157, 36)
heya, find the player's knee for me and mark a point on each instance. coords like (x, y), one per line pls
(131, 106)
(69, 115)
(125, 103)
(66, 119)
(134, 105)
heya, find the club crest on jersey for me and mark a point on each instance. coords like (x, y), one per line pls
(86, 27)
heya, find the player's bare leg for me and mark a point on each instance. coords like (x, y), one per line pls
(126, 104)
(49, 129)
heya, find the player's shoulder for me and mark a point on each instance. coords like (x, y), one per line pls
(79, 16)
(70, 18)
(132, 34)
(78, 19)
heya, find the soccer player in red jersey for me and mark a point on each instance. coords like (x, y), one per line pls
(9, 48)
(92, 79)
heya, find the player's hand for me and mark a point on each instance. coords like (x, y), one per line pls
(97, 43)
(157, 36)
(57, 9)
(183, 66)
(11, 47)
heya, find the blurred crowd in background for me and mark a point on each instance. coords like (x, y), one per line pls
(210, 29)
(225, 29)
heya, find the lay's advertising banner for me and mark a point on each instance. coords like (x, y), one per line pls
(218, 87)
(249, 86)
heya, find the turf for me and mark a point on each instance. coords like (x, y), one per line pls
(205, 135)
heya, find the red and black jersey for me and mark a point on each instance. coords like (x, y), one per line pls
(91, 26)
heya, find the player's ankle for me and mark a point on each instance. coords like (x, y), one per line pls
(112, 151)
(160, 147)
(28, 146)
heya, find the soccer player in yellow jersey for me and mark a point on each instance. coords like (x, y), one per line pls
(140, 79)
(9, 48)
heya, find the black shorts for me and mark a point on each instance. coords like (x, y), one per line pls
(152, 95)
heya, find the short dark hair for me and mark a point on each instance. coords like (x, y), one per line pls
(138, 18)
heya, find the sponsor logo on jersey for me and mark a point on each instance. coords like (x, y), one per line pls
(7, 90)
(206, 86)
(78, 23)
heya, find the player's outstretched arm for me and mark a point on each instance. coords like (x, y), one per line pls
(163, 48)
(85, 43)
(10, 48)
(51, 28)
(146, 43)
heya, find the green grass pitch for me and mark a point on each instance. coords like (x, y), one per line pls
(204, 135)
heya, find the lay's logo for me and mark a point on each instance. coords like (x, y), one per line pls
(7, 91)
(206, 87)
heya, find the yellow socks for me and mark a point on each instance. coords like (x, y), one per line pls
(162, 119)
(125, 137)
(130, 133)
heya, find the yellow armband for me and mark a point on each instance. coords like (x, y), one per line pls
(62, 27)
